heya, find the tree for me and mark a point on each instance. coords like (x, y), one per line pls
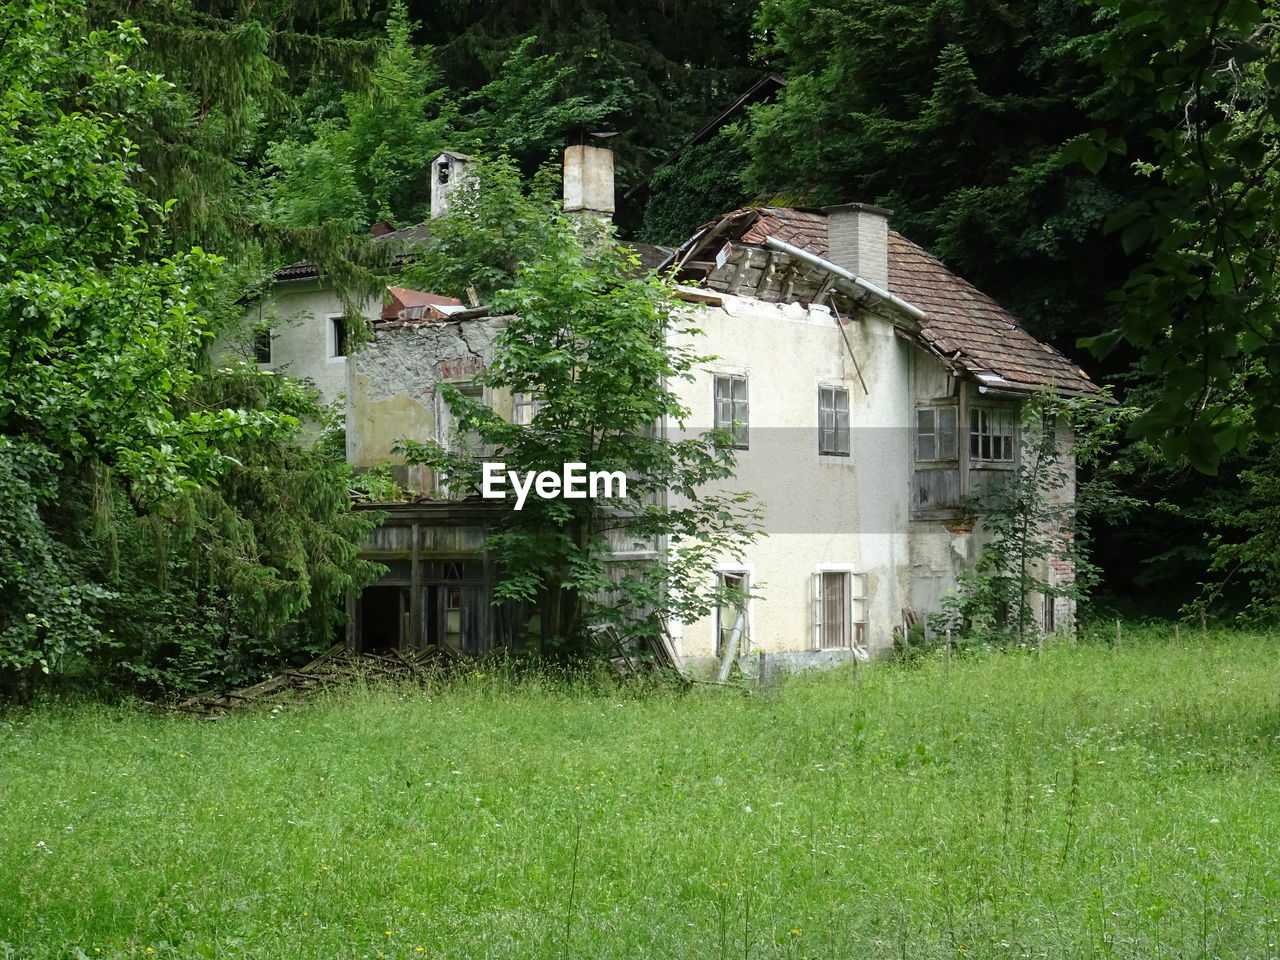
(1029, 527)
(955, 115)
(372, 162)
(597, 343)
(1201, 303)
(110, 422)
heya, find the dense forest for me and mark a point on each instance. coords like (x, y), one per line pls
(1106, 169)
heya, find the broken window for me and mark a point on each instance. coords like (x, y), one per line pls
(731, 408)
(833, 421)
(936, 434)
(337, 337)
(262, 346)
(731, 613)
(991, 433)
(839, 609)
(524, 407)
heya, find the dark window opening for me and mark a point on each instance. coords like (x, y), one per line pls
(384, 618)
(339, 336)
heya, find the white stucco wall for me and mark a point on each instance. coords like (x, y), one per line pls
(821, 512)
(302, 344)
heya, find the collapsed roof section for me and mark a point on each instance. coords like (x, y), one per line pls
(782, 254)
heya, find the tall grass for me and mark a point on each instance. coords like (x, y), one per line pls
(1091, 803)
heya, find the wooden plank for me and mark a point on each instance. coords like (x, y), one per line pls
(697, 296)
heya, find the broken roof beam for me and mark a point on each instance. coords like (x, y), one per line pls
(865, 286)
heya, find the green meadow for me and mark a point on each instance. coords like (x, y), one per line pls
(1092, 802)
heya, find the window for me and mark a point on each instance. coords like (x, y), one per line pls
(991, 435)
(839, 610)
(524, 407)
(262, 346)
(833, 421)
(337, 337)
(731, 614)
(936, 434)
(731, 413)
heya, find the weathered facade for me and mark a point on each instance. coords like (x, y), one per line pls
(870, 392)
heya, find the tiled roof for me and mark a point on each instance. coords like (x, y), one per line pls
(403, 299)
(962, 322)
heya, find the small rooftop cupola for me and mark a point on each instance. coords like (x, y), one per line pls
(588, 182)
(858, 240)
(448, 172)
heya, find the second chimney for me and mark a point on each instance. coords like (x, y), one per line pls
(858, 240)
(588, 181)
(448, 173)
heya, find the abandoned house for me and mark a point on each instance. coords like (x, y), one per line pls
(868, 388)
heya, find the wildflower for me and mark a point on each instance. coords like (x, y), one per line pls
(387, 932)
(422, 949)
(795, 932)
(324, 868)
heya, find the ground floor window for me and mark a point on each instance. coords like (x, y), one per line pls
(839, 609)
(731, 614)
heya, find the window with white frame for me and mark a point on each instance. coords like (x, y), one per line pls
(337, 337)
(731, 612)
(524, 407)
(731, 408)
(833, 421)
(991, 433)
(839, 609)
(936, 434)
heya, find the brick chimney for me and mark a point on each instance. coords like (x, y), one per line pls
(448, 172)
(858, 240)
(588, 182)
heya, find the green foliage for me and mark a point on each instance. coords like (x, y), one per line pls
(126, 467)
(496, 222)
(597, 342)
(653, 73)
(50, 606)
(955, 115)
(704, 182)
(1245, 544)
(373, 163)
(1028, 526)
(1201, 304)
(527, 109)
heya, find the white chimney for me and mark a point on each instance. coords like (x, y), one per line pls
(588, 181)
(858, 240)
(448, 173)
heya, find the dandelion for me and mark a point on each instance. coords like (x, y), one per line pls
(795, 932)
(387, 932)
(324, 868)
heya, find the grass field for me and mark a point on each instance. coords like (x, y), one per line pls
(1089, 804)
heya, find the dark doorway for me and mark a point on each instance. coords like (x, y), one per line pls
(384, 615)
